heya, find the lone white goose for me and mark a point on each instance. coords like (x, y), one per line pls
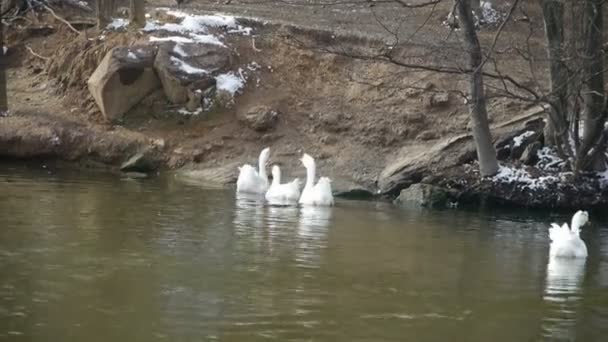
(565, 241)
(278, 193)
(254, 181)
(318, 194)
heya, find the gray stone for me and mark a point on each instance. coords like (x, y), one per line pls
(186, 70)
(123, 78)
(423, 195)
(260, 118)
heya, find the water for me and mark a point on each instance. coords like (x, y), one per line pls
(93, 257)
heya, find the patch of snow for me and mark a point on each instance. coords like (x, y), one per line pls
(102, 37)
(131, 55)
(175, 39)
(521, 177)
(185, 111)
(118, 23)
(207, 39)
(518, 140)
(187, 68)
(83, 3)
(4, 49)
(490, 15)
(230, 82)
(549, 160)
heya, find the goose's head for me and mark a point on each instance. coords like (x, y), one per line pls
(276, 173)
(580, 218)
(265, 155)
(308, 161)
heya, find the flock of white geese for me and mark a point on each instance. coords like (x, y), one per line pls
(252, 181)
(565, 240)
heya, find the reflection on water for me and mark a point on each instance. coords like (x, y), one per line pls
(88, 257)
(563, 293)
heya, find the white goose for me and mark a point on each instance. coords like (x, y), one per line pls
(565, 241)
(315, 194)
(278, 193)
(252, 181)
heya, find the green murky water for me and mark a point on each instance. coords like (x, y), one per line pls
(92, 257)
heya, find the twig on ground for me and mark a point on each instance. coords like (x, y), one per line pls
(61, 19)
(35, 54)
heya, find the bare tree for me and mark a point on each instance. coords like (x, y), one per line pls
(3, 87)
(137, 14)
(577, 97)
(486, 154)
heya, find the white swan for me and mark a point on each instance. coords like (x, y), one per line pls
(565, 241)
(315, 194)
(282, 193)
(252, 181)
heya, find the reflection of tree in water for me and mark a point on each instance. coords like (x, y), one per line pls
(563, 296)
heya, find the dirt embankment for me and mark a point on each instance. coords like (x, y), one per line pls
(356, 116)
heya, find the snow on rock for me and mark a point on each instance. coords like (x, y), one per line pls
(175, 39)
(518, 140)
(187, 68)
(179, 50)
(4, 49)
(131, 55)
(230, 82)
(118, 23)
(510, 175)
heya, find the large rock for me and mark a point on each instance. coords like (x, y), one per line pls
(186, 70)
(122, 79)
(423, 195)
(260, 118)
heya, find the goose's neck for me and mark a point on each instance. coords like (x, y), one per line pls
(310, 176)
(575, 227)
(276, 178)
(262, 168)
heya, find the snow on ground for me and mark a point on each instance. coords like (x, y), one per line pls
(549, 160)
(490, 15)
(230, 82)
(184, 111)
(515, 176)
(518, 140)
(118, 23)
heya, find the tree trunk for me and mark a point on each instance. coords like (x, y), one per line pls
(488, 164)
(105, 11)
(3, 63)
(594, 93)
(137, 13)
(476, 7)
(556, 131)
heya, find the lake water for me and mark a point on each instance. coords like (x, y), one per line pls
(87, 256)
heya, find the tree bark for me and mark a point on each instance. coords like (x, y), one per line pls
(556, 129)
(137, 13)
(3, 88)
(594, 93)
(486, 154)
(105, 11)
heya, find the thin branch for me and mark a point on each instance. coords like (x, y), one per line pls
(60, 19)
(35, 54)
